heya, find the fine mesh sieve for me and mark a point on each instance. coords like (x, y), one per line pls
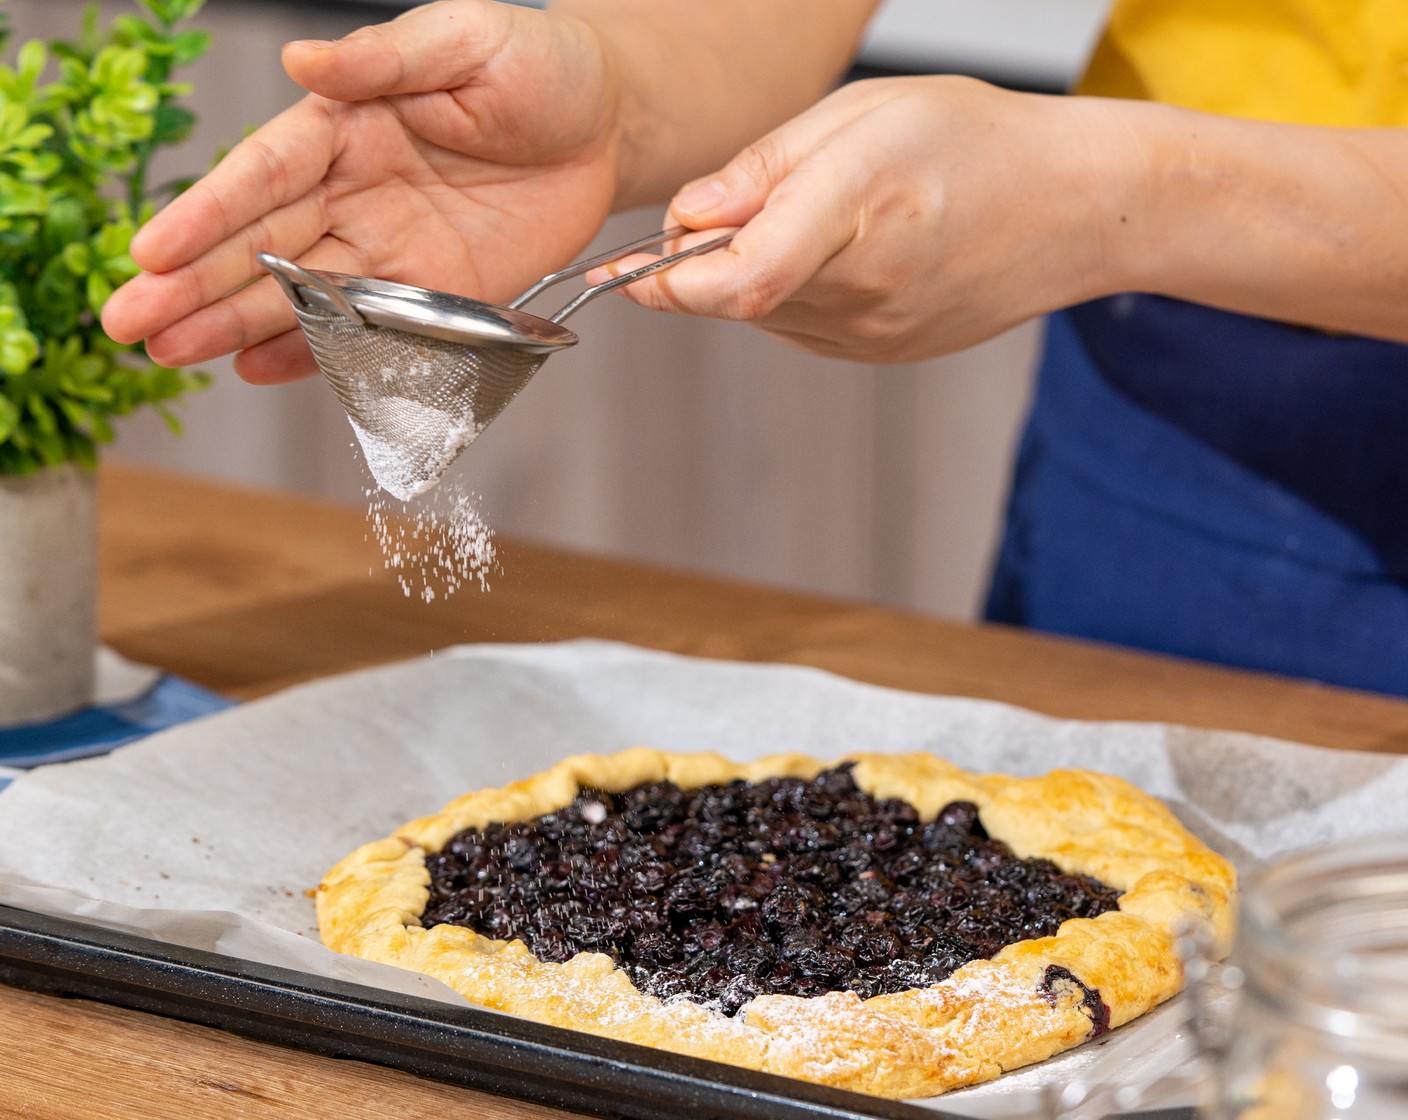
(421, 373)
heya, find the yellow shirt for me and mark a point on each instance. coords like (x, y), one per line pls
(1332, 62)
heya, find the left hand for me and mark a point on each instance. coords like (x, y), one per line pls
(465, 146)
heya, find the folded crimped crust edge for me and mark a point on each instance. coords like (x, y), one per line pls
(988, 1017)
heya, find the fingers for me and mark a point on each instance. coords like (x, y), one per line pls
(730, 197)
(733, 195)
(244, 319)
(151, 302)
(284, 357)
(797, 195)
(805, 221)
(431, 47)
(276, 165)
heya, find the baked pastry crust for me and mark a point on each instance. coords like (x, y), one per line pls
(1021, 1006)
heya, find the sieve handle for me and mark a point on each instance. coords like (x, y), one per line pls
(289, 276)
(615, 282)
(647, 242)
(637, 273)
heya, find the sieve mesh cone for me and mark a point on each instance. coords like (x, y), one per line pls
(415, 402)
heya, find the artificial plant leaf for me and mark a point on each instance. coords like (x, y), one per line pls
(58, 297)
(98, 291)
(18, 349)
(31, 136)
(158, 8)
(189, 46)
(173, 124)
(37, 167)
(100, 429)
(50, 448)
(45, 420)
(170, 419)
(119, 68)
(29, 64)
(14, 461)
(18, 197)
(13, 118)
(134, 29)
(74, 155)
(77, 257)
(75, 412)
(9, 418)
(184, 9)
(83, 450)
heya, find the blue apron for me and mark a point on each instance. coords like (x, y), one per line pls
(1215, 486)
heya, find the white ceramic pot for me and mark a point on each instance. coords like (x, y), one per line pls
(48, 593)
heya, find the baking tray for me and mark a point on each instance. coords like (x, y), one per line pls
(467, 1046)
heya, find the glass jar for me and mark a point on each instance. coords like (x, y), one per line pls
(1318, 1026)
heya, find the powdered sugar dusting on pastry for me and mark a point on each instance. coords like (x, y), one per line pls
(1032, 1000)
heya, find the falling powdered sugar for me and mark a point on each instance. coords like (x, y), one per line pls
(433, 549)
(431, 534)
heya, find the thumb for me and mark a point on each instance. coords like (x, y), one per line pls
(433, 47)
(735, 194)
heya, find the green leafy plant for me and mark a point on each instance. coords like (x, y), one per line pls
(75, 152)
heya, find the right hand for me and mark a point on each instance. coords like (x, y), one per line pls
(899, 219)
(466, 146)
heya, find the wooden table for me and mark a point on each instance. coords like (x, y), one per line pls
(247, 593)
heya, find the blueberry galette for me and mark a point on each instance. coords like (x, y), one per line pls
(887, 923)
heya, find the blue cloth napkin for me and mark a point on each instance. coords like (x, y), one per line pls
(99, 729)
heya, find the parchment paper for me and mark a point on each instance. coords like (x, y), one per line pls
(209, 835)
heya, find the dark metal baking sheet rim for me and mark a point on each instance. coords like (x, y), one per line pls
(466, 1046)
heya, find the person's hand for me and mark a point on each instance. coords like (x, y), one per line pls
(899, 219)
(465, 146)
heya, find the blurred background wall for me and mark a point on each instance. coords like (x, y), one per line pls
(693, 444)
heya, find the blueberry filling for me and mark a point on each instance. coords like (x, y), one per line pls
(1098, 1010)
(722, 893)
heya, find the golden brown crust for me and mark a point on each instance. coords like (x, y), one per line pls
(988, 1017)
